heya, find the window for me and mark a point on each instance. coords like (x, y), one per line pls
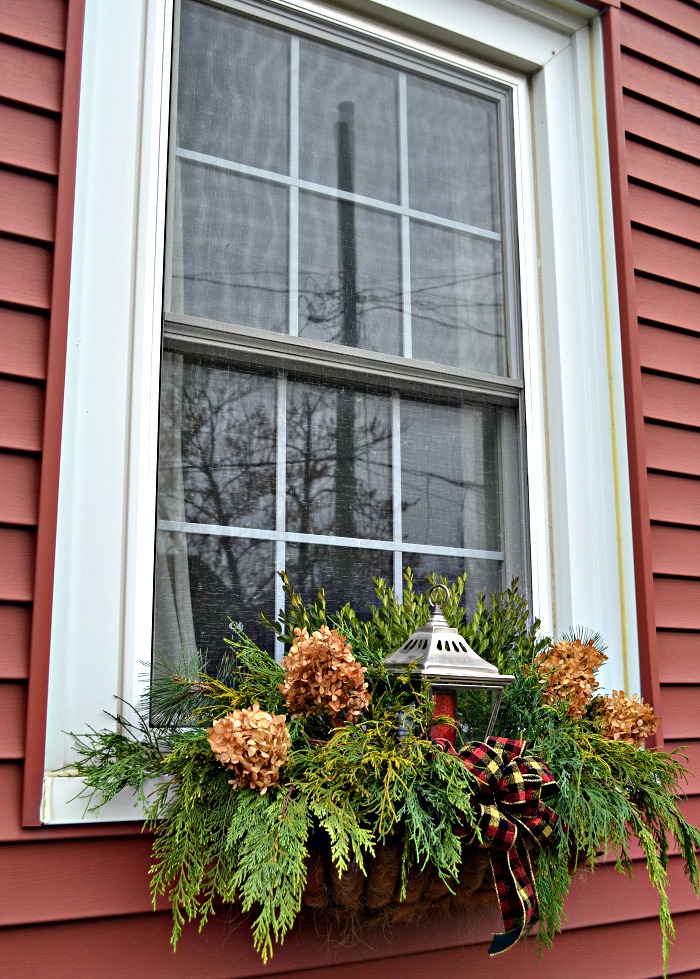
(527, 77)
(353, 215)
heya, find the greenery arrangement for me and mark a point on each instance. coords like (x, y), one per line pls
(268, 773)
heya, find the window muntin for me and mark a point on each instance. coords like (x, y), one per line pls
(367, 214)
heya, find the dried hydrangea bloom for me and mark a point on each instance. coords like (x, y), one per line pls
(251, 743)
(626, 718)
(322, 676)
(567, 673)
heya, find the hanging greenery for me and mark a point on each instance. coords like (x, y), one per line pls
(314, 783)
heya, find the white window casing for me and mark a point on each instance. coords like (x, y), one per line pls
(580, 526)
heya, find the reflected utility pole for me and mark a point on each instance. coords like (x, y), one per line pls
(345, 461)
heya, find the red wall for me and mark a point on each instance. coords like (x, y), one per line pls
(74, 902)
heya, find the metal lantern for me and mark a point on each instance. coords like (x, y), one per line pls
(439, 654)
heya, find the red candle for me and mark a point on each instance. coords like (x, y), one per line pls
(445, 706)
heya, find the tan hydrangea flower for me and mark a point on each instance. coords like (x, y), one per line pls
(251, 743)
(626, 718)
(322, 676)
(567, 673)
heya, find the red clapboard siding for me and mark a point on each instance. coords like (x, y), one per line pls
(691, 750)
(593, 900)
(13, 704)
(665, 258)
(676, 551)
(677, 604)
(79, 950)
(27, 206)
(19, 489)
(668, 49)
(662, 170)
(672, 353)
(82, 879)
(674, 500)
(674, 13)
(679, 658)
(662, 127)
(680, 709)
(21, 415)
(672, 449)
(654, 83)
(17, 548)
(15, 629)
(669, 400)
(25, 274)
(40, 22)
(665, 303)
(29, 140)
(31, 77)
(24, 339)
(663, 213)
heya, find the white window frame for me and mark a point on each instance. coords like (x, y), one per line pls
(580, 524)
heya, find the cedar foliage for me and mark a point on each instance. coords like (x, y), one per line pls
(363, 784)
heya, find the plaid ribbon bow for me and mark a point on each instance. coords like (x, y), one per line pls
(510, 810)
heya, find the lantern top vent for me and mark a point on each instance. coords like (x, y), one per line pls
(439, 653)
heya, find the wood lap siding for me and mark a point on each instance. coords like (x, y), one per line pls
(661, 110)
(74, 900)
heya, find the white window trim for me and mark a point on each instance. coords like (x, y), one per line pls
(580, 523)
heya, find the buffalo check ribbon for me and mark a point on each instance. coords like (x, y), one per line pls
(510, 814)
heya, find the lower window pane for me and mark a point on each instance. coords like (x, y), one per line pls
(344, 572)
(450, 475)
(338, 461)
(486, 576)
(201, 580)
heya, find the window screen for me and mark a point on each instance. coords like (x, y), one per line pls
(341, 385)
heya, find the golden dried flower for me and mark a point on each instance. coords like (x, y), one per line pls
(567, 673)
(626, 718)
(251, 743)
(322, 676)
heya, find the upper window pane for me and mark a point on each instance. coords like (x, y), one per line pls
(348, 106)
(453, 154)
(233, 93)
(320, 193)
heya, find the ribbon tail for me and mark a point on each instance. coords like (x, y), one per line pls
(504, 941)
(517, 897)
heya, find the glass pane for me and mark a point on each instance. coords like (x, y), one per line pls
(201, 580)
(233, 90)
(344, 572)
(229, 248)
(453, 154)
(338, 462)
(348, 122)
(486, 576)
(349, 275)
(217, 444)
(456, 299)
(450, 475)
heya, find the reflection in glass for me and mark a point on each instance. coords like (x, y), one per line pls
(349, 274)
(229, 248)
(453, 154)
(218, 446)
(486, 576)
(338, 462)
(344, 572)
(206, 578)
(327, 78)
(233, 89)
(457, 311)
(450, 475)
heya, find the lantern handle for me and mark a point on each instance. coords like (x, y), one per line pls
(435, 588)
